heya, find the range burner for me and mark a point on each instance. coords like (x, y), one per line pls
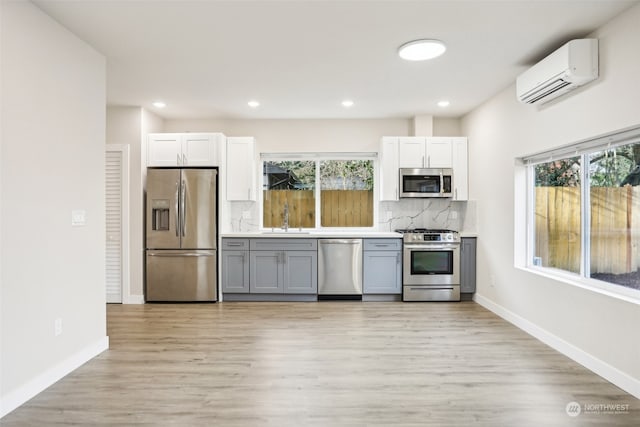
(423, 230)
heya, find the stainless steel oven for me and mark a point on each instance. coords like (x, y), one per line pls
(431, 266)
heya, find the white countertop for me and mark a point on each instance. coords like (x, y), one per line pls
(468, 234)
(315, 234)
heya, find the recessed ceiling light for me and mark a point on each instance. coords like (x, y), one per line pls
(347, 103)
(159, 104)
(420, 50)
(443, 103)
(253, 104)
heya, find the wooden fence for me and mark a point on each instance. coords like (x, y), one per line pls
(614, 231)
(339, 208)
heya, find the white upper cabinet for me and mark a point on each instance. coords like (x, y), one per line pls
(183, 149)
(412, 152)
(460, 168)
(439, 152)
(389, 165)
(240, 168)
(201, 150)
(425, 152)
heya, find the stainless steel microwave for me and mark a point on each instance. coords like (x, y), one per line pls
(422, 183)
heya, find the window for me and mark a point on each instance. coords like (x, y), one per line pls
(585, 209)
(346, 193)
(557, 214)
(291, 184)
(345, 184)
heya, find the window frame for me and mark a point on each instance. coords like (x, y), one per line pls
(318, 157)
(525, 244)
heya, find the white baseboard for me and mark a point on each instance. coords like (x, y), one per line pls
(22, 394)
(610, 373)
(135, 299)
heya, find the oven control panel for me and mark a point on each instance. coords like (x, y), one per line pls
(431, 237)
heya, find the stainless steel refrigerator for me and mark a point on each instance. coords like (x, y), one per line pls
(181, 235)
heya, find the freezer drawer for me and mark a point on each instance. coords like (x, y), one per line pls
(175, 275)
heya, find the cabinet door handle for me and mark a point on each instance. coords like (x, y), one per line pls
(234, 244)
(178, 159)
(184, 159)
(456, 192)
(284, 258)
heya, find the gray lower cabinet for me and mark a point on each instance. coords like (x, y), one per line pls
(266, 272)
(382, 266)
(283, 266)
(468, 265)
(235, 266)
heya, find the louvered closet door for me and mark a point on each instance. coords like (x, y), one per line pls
(113, 261)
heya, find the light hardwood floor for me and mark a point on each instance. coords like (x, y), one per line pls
(322, 364)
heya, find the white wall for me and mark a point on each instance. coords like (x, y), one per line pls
(598, 330)
(129, 126)
(301, 135)
(53, 131)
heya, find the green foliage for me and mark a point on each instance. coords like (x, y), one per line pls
(334, 174)
(346, 174)
(559, 173)
(607, 168)
(304, 170)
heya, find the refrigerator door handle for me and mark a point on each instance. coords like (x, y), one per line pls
(177, 211)
(183, 200)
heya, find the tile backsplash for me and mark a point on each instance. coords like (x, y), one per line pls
(427, 213)
(405, 213)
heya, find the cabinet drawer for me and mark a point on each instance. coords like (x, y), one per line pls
(235, 244)
(296, 244)
(382, 244)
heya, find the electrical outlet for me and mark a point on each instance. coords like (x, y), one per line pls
(57, 327)
(453, 215)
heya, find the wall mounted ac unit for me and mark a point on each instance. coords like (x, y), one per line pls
(569, 67)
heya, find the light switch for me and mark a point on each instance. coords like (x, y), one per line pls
(78, 217)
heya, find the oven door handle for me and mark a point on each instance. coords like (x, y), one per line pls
(430, 247)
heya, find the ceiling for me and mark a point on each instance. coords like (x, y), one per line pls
(300, 59)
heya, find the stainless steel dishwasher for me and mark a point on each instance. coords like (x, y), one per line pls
(340, 268)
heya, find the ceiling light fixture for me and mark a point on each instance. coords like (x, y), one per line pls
(159, 104)
(421, 50)
(347, 103)
(253, 104)
(443, 103)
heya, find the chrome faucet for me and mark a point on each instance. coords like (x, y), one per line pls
(285, 217)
